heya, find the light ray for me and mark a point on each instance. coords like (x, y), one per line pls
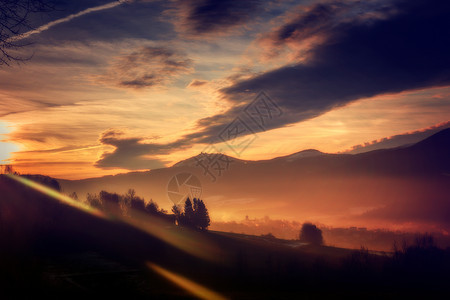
(58, 196)
(187, 240)
(187, 284)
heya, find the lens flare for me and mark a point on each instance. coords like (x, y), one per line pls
(185, 239)
(187, 284)
(58, 196)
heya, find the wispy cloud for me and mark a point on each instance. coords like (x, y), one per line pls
(66, 149)
(147, 67)
(66, 19)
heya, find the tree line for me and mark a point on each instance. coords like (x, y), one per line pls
(192, 214)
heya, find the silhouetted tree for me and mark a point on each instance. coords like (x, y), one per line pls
(137, 204)
(193, 215)
(311, 234)
(152, 208)
(201, 215)
(419, 258)
(131, 193)
(44, 180)
(111, 202)
(93, 200)
(74, 196)
(15, 17)
(134, 205)
(177, 213)
(194, 204)
(269, 236)
(8, 169)
(188, 218)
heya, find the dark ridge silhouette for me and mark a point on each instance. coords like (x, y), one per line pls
(425, 158)
(408, 185)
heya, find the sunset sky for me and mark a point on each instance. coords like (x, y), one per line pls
(135, 85)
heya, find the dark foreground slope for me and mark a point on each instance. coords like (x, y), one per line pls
(50, 249)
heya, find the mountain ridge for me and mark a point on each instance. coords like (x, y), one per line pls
(392, 186)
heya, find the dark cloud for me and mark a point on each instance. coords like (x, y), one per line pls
(389, 49)
(199, 17)
(367, 54)
(324, 18)
(399, 140)
(130, 153)
(406, 51)
(147, 67)
(366, 49)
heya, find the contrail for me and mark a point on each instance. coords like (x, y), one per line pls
(66, 19)
(80, 149)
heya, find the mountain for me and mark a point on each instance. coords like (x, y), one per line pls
(405, 187)
(193, 161)
(302, 154)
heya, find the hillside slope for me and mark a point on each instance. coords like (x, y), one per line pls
(50, 249)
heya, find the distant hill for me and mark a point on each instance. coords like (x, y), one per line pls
(405, 187)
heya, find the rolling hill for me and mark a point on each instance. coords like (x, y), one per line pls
(404, 188)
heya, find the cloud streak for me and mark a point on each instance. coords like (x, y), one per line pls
(66, 19)
(133, 153)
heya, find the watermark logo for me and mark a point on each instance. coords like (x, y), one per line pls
(262, 110)
(238, 135)
(183, 185)
(213, 162)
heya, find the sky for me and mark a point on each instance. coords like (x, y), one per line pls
(118, 86)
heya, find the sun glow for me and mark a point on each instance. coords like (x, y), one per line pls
(5, 148)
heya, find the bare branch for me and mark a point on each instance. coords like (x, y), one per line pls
(15, 20)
